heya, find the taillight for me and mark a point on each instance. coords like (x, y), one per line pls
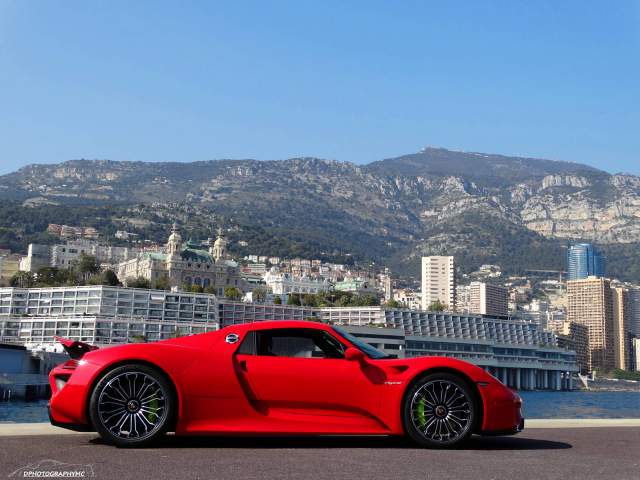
(70, 364)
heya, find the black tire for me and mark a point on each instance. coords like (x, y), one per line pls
(132, 405)
(439, 410)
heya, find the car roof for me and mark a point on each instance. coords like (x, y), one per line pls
(272, 324)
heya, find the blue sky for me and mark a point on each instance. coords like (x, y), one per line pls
(356, 81)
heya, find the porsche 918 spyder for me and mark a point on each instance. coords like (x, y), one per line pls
(275, 378)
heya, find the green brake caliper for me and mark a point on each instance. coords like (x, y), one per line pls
(153, 407)
(422, 420)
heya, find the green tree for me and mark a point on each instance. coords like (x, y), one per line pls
(343, 300)
(437, 306)
(162, 283)
(69, 277)
(393, 304)
(196, 288)
(211, 290)
(293, 299)
(23, 280)
(48, 277)
(309, 300)
(139, 282)
(87, 265)
(232, 293)
(259, 295)
(138, 339)
(367, 300)
(277, 300)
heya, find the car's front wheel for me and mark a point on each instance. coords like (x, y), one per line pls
(132, 405)
(439, 410)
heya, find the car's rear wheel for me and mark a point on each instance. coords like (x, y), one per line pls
(440, 410)
(132, 405)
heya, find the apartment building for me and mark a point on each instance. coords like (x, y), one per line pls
(590, 303)
(438, 281)
(488, 299)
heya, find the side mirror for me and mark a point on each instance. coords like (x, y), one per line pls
(353, 355)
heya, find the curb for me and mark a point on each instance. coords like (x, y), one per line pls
(28, 429)
(580, 422)
(45, 428)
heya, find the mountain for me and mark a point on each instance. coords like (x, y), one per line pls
(484, 208)
(488, 170)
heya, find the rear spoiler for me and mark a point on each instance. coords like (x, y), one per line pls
(74, 348)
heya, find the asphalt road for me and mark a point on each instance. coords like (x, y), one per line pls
(580, 453)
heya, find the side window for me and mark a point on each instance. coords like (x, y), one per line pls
(248, 345)
(297, 343)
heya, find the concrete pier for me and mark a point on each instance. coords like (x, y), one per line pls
(532, 378)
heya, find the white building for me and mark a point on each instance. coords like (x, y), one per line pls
(438, 281)
(284, 283)
(408, 298)
(385, 285)
(255, 268)
(102, 315)
(463, 298)
(65, 255)
(38, 256)
(124, 235)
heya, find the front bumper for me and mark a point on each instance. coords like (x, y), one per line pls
(76, 427)
(69, 391)
(503, 410)
(509, 431)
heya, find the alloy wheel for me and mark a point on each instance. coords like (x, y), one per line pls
(132, 405)
(441, 411)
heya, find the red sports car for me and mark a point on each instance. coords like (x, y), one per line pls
(275, 378)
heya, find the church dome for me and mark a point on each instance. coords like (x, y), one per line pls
(174, 241)
(220, 242)
(175, 237)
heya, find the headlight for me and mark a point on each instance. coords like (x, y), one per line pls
(61, 382)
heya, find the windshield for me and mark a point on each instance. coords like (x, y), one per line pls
(365, 348)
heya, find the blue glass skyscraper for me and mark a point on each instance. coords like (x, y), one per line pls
(584, 260)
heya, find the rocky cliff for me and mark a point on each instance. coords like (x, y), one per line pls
(476, 205)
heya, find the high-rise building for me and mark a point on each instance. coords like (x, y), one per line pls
(633, 324)
(635, 354)
(488, 299)
(438, 281)
(590, 303)
(621, 338)
(584, 260)
(575, 337)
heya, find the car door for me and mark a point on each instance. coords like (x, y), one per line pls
(301, 374)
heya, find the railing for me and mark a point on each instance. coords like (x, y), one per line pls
(23, 379)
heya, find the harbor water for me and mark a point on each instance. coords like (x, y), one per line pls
(576, 404)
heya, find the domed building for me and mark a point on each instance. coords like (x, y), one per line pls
(187, 263)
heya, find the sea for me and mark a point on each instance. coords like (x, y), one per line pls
(543, 404)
